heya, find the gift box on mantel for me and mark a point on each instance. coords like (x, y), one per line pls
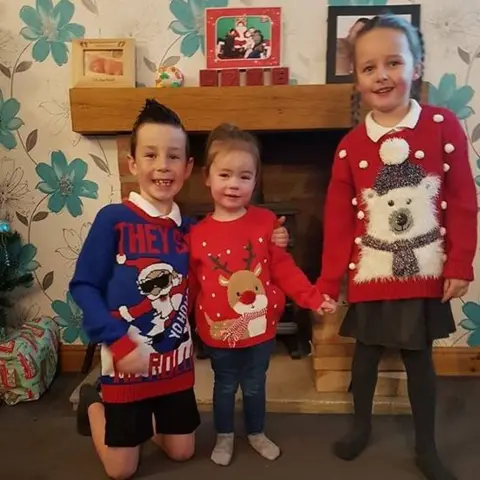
(28, 361)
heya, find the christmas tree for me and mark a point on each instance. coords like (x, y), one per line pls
(11, 275)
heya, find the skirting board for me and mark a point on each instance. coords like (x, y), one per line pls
(71, 358)
(449, 361)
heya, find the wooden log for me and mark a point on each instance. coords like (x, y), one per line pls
(339, 357)
(325, 327)
(389, 384)
(256, 108)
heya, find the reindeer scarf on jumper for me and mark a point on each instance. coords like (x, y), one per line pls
(239, 327)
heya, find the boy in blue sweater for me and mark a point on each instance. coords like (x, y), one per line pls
(131, 282)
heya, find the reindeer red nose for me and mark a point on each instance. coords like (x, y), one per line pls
(247, 297)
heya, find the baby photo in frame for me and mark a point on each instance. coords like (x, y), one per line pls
(102, 62)
(243, 37)
(343, 25)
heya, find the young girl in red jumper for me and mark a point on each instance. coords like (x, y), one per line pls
(401, 218)
(242, 278)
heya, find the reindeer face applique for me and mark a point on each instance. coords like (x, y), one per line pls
(245, 291)
(246, 296)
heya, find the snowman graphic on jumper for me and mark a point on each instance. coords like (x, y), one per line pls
(402, 235)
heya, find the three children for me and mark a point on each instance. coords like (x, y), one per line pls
(401, 218)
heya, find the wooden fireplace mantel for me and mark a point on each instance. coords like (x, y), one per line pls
(100, 111)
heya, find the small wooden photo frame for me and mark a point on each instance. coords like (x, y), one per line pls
(103, 62)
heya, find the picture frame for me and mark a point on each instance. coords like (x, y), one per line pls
(343, 23)
(103, 62)
(243, 38)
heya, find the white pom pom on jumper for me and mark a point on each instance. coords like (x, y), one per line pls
(121, 259)
(394, 151)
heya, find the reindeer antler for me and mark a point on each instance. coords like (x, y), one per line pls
(250, 255)
(218, 265)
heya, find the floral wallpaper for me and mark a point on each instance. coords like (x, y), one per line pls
(53, 181)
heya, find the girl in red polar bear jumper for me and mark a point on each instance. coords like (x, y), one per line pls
(401, 218)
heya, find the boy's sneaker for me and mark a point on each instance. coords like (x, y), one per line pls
(87, 396)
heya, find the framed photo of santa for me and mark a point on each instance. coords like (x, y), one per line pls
(243, 37)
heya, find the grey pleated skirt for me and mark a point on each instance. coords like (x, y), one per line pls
(411, 324)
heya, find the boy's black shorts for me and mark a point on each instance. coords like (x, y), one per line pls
(131, 424)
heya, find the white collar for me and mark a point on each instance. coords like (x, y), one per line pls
(410, 120)
(149, 209)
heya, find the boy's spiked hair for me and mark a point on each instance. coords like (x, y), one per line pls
(154, 112)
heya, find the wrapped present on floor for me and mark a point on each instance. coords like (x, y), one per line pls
(28, 361)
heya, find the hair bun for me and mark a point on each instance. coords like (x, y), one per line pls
(228, 127)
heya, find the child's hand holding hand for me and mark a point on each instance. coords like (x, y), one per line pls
(329, 305)
(134, 363)
(280, 235)
(454, 288)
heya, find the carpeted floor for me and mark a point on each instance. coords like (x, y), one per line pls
(38, 442)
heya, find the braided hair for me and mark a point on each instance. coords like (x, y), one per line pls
(417, 48)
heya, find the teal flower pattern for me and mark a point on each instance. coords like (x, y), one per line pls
(22, 257)
(9, 122)
(65, 183)
(358, 3)
(448, 95)
(472, 323)
(51, 29)
(70, 317)
(189, 23)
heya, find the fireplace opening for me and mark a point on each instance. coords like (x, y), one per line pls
(295, 173)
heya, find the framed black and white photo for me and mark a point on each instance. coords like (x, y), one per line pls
(343, 25)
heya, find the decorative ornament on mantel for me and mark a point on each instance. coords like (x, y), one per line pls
(169, 76)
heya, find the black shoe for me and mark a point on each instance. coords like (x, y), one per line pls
(87, 396)
(432, 468)
(353, 444)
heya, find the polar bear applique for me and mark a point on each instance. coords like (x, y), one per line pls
(402, 238)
